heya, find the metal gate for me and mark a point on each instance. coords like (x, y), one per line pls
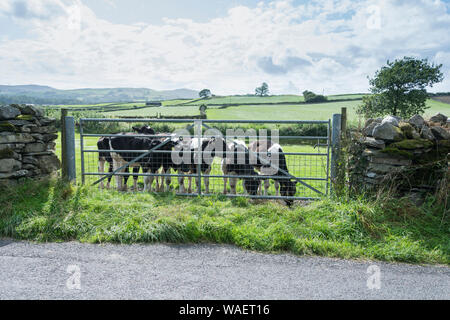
(307, 156)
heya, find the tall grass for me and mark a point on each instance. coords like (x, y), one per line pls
(394, 230)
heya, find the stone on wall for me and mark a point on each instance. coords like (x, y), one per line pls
(8, 112)
(27, 139)
(387, 131)
(417, 121)
(413, 154)
(439, 117)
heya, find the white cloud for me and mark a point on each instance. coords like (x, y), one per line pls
(316, 46)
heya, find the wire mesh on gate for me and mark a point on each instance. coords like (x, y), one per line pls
(307, 159)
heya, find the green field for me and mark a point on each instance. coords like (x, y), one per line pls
(267, 99)
(317, 111)
(154, 111)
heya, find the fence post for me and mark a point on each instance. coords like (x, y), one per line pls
(63, 144)
(198, 135)
(335, 147)
(344, 124)
(69, 128)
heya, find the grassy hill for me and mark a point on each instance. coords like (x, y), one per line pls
(315, 111)
(47, 95)
(279, 99)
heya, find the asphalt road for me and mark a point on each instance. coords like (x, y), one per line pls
(85, 271)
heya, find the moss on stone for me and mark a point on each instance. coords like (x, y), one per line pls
(27, 117)
(7, 127)
(396, 152)
(412, 144)
(407, 129)
(443, 146)
(6, 153)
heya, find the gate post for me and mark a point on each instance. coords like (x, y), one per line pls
(69, 127)
(335, 147)
(198, 135)
(63, 144)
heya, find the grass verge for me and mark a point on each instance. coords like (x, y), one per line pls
(395, 230)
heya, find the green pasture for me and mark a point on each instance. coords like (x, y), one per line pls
(154, 111)
(267, 99)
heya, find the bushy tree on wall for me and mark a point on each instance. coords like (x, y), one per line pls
(399, 88)
(312, 97)
(205, 93)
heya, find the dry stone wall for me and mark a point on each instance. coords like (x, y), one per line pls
(27, 144)
(404, 155)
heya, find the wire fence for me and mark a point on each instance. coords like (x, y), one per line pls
(307, 161)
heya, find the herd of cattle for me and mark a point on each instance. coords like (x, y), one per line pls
(120, 149)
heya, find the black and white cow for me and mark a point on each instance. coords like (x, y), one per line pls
(275, 165)
(150, 163)
(187, 154)
(105, 157)
(237, 162)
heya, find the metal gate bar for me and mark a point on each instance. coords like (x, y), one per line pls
(198, 135)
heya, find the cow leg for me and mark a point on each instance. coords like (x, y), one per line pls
(181, 187)
(189, 185)
(135, 178)
(260, 187)
(157, 181)
(168, 180)
(277, 188)
(225, 179)
(148, 181)
(266, 187)
(233, 182)
(207, 172)
(119, 180)
(110, 170)
(101, 169)
(125, 179)
(161, 186)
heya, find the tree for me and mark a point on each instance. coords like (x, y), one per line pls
(205, 93)
(399, 88)
(263, 90)
(312, 97)
(203, 108)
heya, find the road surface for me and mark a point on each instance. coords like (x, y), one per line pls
(86, 271)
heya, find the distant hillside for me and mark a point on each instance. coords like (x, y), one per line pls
(46, 95)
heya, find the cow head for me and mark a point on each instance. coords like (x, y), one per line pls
(288, 189)
(252, 186)
(144, 130)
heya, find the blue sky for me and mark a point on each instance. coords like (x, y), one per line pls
(153, 11)
(231, 46)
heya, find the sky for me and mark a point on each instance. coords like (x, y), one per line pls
(229, 47)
